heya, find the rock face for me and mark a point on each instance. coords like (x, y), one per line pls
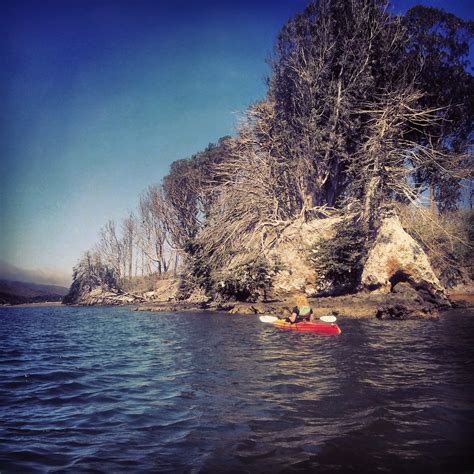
(397, 257)
(165, 290)
(98, 296)
(290, 255)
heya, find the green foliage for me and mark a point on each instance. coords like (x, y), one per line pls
(88, 274)
(469, 225)
(437, 50)
(468, 253)
(339, 261)
(461, 251)
(248, 282)
(197, 273)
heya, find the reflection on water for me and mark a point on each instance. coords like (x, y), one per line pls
(107, 389)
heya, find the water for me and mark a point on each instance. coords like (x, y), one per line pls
(111, 390)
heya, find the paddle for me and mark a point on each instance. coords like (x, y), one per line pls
(328, 319)
(266, 318)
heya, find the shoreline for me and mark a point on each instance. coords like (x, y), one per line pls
(403, 305)
(467, 298)
(356, 306)
(41, 304)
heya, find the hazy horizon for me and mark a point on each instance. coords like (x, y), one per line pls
(101, 97)
(45, 276)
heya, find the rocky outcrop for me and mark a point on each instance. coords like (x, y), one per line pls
(198, 296)
(397, 257)
(397, 282)
(98, 296)
(405, 303)
(165, 290)
(396, 268)
(290, 255)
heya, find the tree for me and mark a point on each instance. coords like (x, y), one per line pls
(111, 249)
(128, 232)
(345, 71)
(327, 60)
(180, 191)
(437, 49)
(153, 237)
(189, 191)
(90, 273)
(348, 126)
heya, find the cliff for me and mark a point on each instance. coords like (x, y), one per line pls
(394, 257)
(396, 281)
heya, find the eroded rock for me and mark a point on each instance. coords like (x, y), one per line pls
(290, 254)
(396, 257)
(402, 311)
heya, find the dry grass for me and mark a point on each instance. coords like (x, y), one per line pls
(445, 239)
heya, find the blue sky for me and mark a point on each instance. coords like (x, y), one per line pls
(100, 96)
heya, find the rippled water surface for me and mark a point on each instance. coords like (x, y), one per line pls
(111, 390)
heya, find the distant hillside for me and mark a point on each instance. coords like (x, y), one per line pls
(18, 292)
(40, 276)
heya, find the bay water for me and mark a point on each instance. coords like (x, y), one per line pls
(103, 389)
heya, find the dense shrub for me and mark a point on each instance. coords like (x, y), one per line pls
(196, 272)
(249, 281)
(339, 261)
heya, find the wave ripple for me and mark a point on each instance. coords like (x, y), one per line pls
(110, 390)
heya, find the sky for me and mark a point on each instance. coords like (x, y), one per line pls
(99, 97)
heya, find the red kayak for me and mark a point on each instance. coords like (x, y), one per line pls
(326, 329)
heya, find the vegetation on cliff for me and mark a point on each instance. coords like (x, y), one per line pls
(366, 114)
(90, 273)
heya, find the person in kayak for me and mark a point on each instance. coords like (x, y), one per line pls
(302, 310)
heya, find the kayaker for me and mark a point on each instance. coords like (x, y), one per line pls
(302, 310)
